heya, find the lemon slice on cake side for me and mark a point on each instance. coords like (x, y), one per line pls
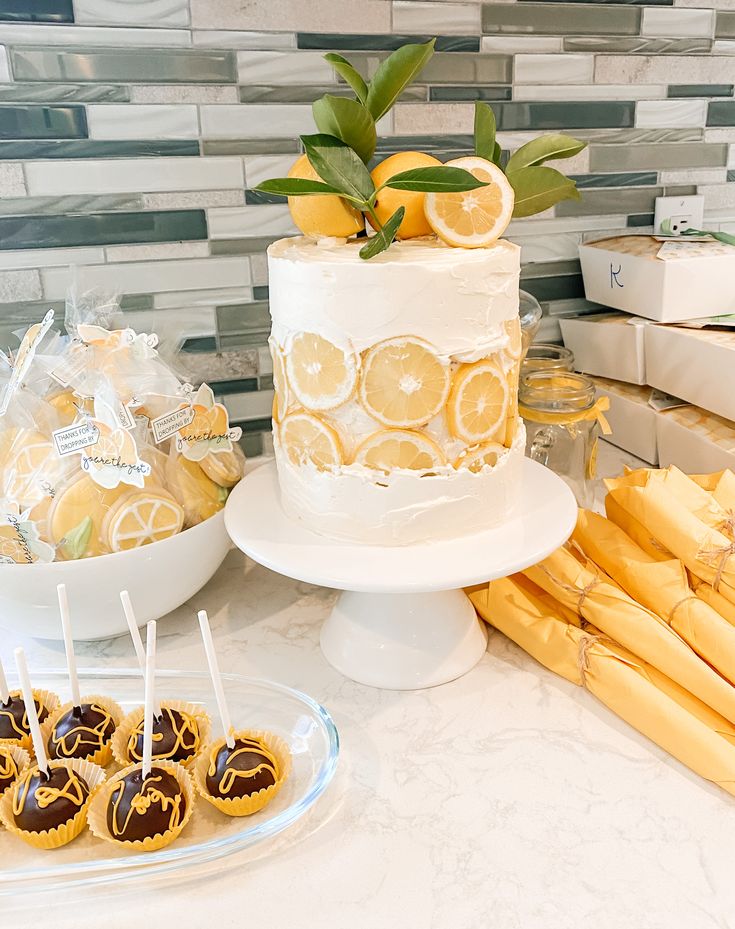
(478, 402)
(399, 448)
(404, 383)
(472, 218)
(321, 374)
(307, 439)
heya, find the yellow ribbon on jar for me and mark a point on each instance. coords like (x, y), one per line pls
(596, 411)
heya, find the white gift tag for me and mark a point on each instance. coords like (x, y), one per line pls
(169, 424)
(72, 439)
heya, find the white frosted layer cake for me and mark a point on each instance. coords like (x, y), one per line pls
(395, 418)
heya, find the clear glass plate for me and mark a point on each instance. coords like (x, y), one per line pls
(305, 725)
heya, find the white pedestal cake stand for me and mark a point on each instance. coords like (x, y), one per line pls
(402, 621)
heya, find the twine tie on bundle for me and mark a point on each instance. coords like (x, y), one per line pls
(585, 643)
(675, 607)
(581, 592)
(719, 557)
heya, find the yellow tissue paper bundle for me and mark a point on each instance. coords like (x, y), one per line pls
(648, 700)
(681, 521)
(602, 603)
(660, 586)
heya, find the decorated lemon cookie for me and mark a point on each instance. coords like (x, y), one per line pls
(224, 468)
(76, 516)
(140, 517)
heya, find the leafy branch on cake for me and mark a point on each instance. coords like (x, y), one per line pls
(467, 202)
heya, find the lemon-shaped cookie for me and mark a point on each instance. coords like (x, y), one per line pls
(225, 468)
(140, 517)
(76, 516)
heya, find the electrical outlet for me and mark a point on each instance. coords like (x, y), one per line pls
(682, 213)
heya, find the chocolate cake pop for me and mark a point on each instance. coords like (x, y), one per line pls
(9, 770)
(44, 801)
(243, 770)
(145, 805)
(176, 736)
(13, 716)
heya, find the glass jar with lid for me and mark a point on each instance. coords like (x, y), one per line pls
(563, 419)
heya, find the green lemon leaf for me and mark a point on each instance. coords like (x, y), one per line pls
(545, 148)
(394, 75)
(338, 166)
(347, 120)
(435, 180)
(539, 188)
(75, 543)
(382, 239)
(485, 145)
(295, 187)
(348, 73)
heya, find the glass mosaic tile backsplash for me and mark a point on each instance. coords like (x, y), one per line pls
(130, 130)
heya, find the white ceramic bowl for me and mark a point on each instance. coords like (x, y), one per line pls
(159, 577)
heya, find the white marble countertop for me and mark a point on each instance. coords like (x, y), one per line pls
(508, 798)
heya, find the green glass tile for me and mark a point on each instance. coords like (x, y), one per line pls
(307, 93)
(239, 386)
(657, 157)
(252, 444)
(700, 90)
(260, 292)
(618, 179)
(725, 24)
(265, 382)
(640, 219)
(63, 93)
(244, 246)
(423, 143)
(250, 426)
(447, 67)
(36, 11)
(79, 203)
(199, 345)
(124, 64)
(92, 148)
(135, 303)
(51, 231)
(638, 45)
(731, 176)
(572, 115)
(721, 113)
(550, 269)
(560, 19)
(563, 287)
(43, 122)
(444, 43)
(250, 146)
(243, 319)
(599, 202)
(470, 93)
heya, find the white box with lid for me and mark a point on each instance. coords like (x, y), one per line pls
(607, 345)
(667, 281)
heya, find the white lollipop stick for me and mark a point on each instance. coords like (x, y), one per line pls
(25, 685)
(4, 690)
(219, 693)
(150, 686)
(137, 641)
(71, 663)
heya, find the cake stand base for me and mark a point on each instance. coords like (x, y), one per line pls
(403, 641)
(403, 621)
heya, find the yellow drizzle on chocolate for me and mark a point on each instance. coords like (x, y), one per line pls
(20, 730)
(182, 726)
(230, 774)
(148, 795)
(93, 738)
(74, 791)
(8, 767)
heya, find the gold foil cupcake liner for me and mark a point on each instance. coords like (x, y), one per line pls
(123, 732)
(103, 756)
(97, 814)
(46, 698)
(244, 806)
(68, 831)
(22, 760)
